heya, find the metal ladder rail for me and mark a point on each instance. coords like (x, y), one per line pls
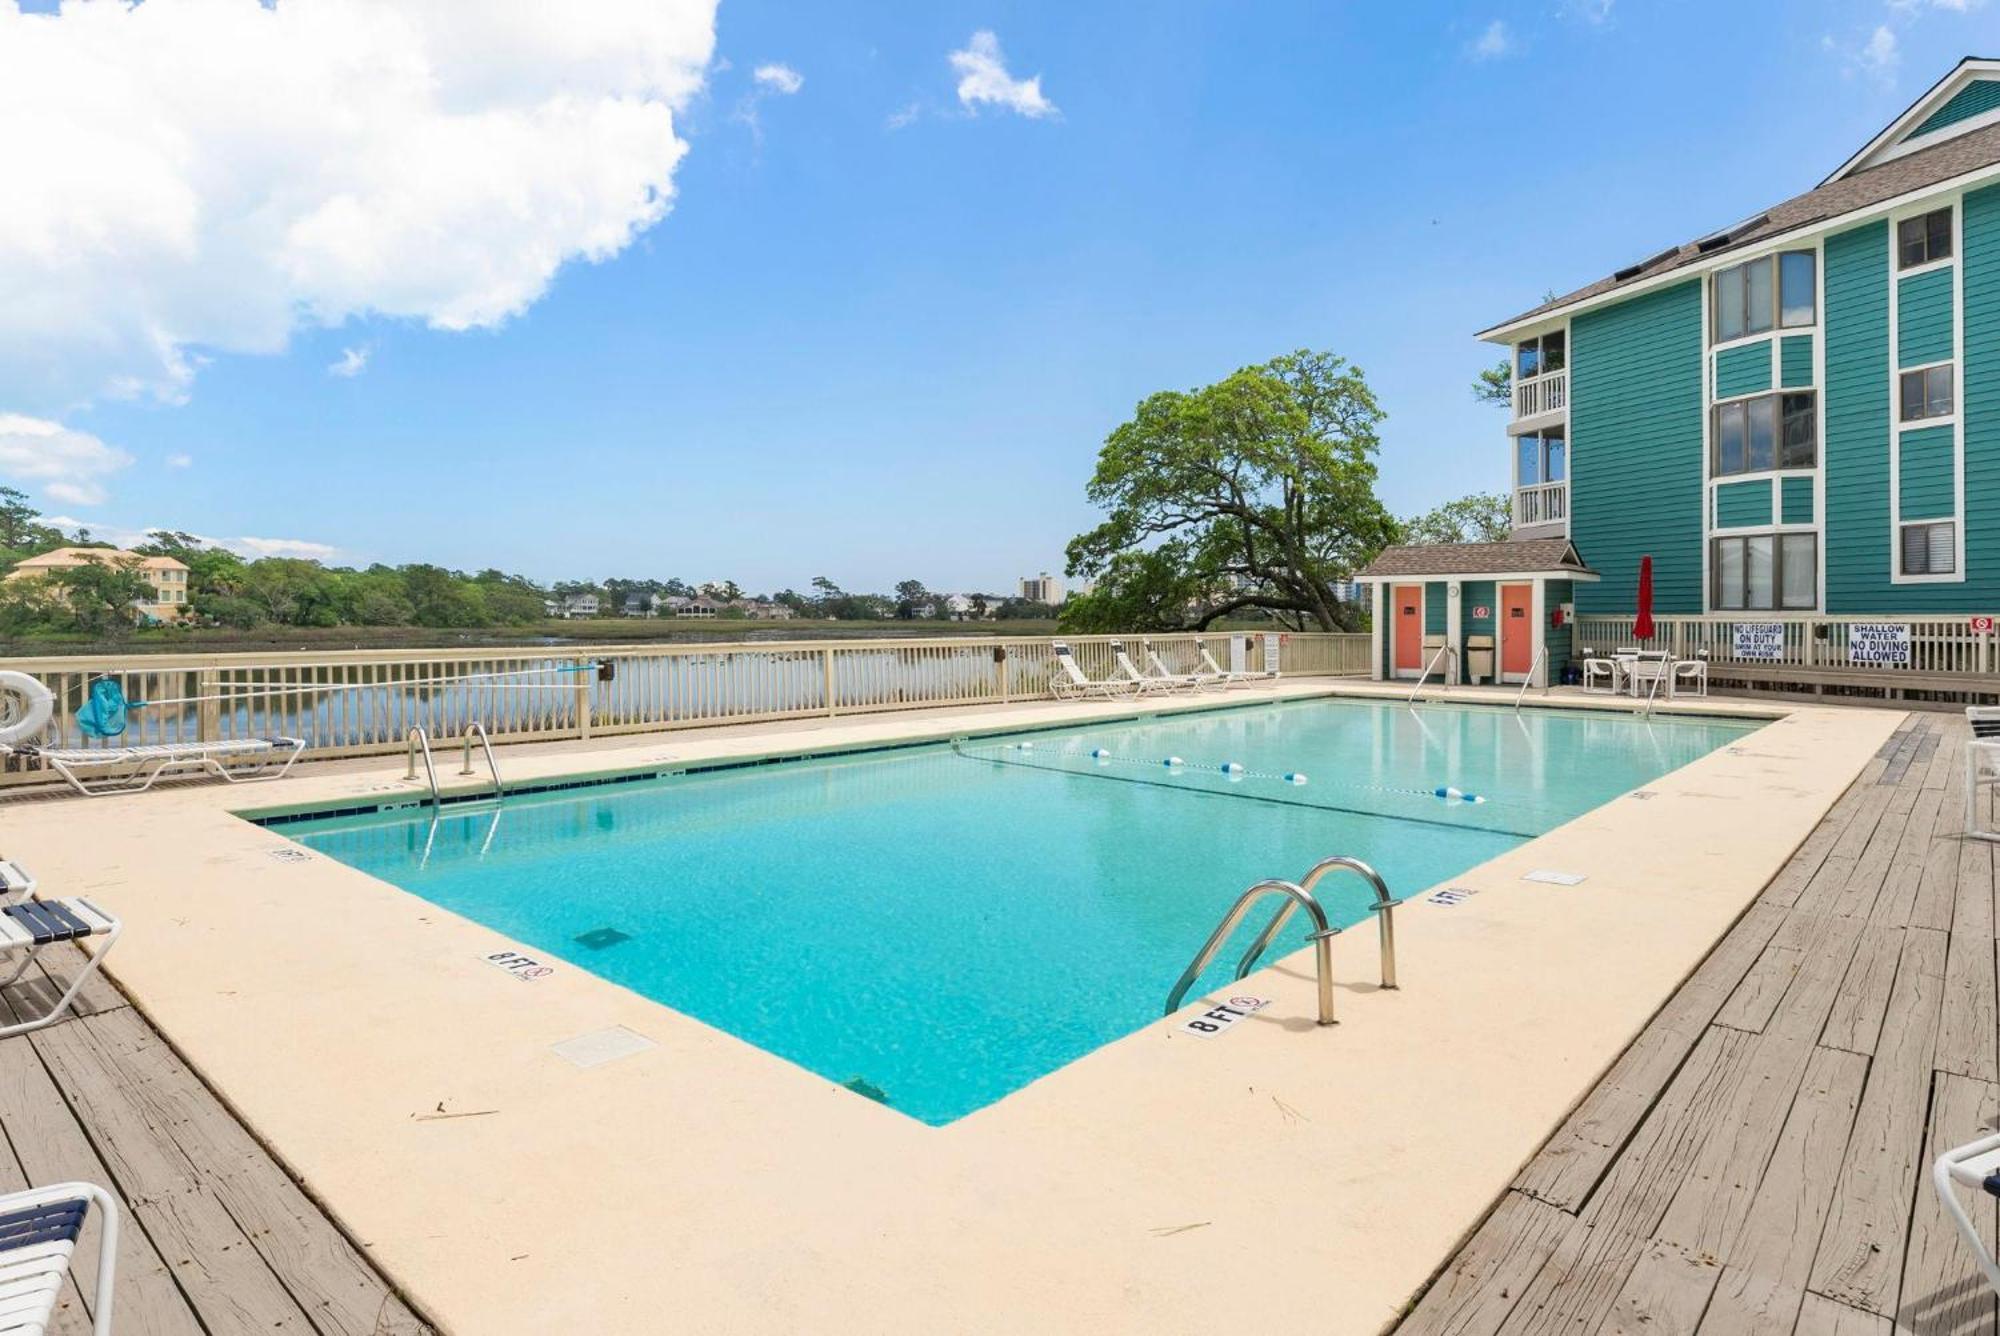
(1322, 940)
(1384, 909)
(418, 738)
(1417, 690)
(486, 744)
(1541, 657)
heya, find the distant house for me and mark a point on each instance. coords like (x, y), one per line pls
(642, 605)
(579, 605)
(765, 612)
(167, 577)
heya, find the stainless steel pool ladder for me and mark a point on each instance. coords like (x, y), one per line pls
(486, 744)
(1541, 657)
(420, 740)
(1298, 895)
(1417, 690)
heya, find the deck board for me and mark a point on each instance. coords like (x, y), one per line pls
(1758, 1159)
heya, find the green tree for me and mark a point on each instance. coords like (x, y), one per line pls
(22, 533)
(1495, 385)
(99, 594)
(1258, 491)
(1483, 517)
(911, 599)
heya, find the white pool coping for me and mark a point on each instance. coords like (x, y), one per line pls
(700, 1184)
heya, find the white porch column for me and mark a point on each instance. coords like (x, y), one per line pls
(1378, 602)
(1538, 608)
(1454, 673)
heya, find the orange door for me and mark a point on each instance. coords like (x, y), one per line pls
(1517, 629)
(1409, 601)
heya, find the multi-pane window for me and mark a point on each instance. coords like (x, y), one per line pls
(1764, 572)
(1540, 456)
(1538, 356)
(1926, 393)
(1772, 291)
(1924, 238)
(1772, 431)
(1930, 549)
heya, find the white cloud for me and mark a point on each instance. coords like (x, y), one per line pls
(1878, 56)
(62, 464)
(983, 78)
(180, 461)
(780, 79)
(903, 115)
(190, 178)
(1495, 42)
(1590, 11)
(247, 547)
(353, 361)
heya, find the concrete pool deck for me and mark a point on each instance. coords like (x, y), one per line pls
(703, 1185)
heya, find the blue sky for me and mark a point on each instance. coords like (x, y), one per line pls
(881, 334)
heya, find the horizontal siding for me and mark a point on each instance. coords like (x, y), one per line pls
(1436, 595)
(1556, 639)
(1976, 98)
(1980, 426)
(1923, 318)
(1797, 507)
(1926, 474)
(1742, 505)
(1635, 431)
(1478, 594)
(1857, 420)
(1743, 370)
(1795, 358)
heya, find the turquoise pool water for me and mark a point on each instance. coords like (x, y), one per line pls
(945, 927)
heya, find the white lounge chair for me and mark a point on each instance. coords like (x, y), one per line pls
(138, 767)
(26, 926)
(1130, 672)
(38, 1232)
(1068, 680)
(1219, 674)
(1191, 681)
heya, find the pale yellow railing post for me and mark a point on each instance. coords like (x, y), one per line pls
(826, 665)
(1002, 659)
(208, 719)
(583, 706)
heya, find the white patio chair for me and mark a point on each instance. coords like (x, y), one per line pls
(1069, 682)
(1222, 676)
(38, 1233)
(1975, 1165)
(1595, 667)
(26, 926)
(1982, 766)
(1690, 676)
(1158, 668)
(1649, 673)
(139, 766)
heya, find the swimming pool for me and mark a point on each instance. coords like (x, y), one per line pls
(938, 926)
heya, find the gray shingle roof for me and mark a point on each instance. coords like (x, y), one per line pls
(1526, 556)
(1927, 167)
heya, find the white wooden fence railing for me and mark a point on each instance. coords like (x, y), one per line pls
(365, 702)
(1545, 393)
(1542, 503)
(1937, 645)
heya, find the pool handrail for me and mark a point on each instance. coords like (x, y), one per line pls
(1321, 937)
(1541, 657)
(1384, 908)
(499, 786)
(1425, 676)
(418, 738)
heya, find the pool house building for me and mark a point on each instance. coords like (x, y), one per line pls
(1796, 416)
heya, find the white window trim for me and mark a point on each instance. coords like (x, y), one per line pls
(1776, 531)
(1956, 203)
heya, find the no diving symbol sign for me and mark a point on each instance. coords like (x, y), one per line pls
(1219, 1016)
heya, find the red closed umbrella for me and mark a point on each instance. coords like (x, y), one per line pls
(1642, 625)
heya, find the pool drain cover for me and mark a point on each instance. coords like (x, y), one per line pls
(861, 1085)
(599, 938)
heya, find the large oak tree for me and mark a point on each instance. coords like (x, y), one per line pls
(1256, 492)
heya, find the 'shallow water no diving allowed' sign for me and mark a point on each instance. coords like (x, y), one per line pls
(1878, 643)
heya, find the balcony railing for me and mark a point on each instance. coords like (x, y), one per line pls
(1546, 393)
(1544, 503)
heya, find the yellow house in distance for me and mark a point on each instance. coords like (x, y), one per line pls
(168, 577)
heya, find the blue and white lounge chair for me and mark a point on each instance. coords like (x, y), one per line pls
(38, 1232)
(1069, 682)
(28, 924)
(138, 767)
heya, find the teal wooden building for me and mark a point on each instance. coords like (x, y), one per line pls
(1797, 415)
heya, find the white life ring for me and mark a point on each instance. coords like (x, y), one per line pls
(26, 706)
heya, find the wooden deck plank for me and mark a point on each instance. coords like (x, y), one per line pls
(1899, 889)
(321, 1269)
(1860, 1257)
(1939, 1291)
(1821, 1316)
(1855, 1022)
(1480, 1288)
(1668, 1290)
(1763, 1282)
(1576, 1157)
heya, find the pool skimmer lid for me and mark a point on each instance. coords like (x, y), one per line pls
(599, 938)
(1549, 878)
